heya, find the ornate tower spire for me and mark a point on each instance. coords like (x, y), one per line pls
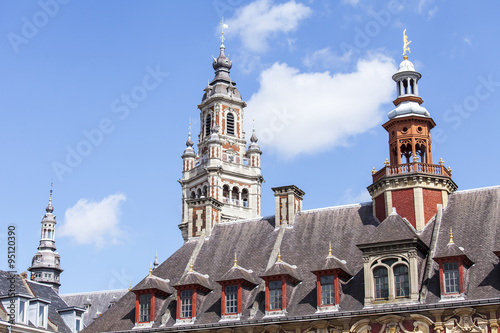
(222, 181)
(46, 264)
(409, 172)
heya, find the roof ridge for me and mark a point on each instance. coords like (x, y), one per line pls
(361, 204)
(486, 188)
(93, 292)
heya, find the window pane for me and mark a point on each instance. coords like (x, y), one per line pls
(381, 282)
(451, 277)
(186, 304)
(327, 290)
(402, 281)
(208, 124)
(275, 295)
(144, 307)
(21, 311)
(41, 317)
(231, 299)
(77, 328)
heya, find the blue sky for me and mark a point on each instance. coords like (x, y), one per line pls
(97, 96)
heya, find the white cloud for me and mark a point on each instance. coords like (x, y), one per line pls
(90, 222)
(260, 21)
(326, 59)
(304, 113)
(351, 2)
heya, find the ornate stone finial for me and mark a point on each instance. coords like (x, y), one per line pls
(150, 270)
(451, 236)
(330, 250)
(386, 162)
(129, 286)
(253, 138)
(406, 42)
(235, 260)
(441, 162)
(374, 171)
(415, 158)
(279, 256)
(449, 169)
(191, 267)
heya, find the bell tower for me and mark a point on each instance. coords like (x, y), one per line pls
(221, 182)
(409, 181)
(46, 264)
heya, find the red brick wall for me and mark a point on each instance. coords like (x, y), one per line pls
(431, 199)
(380, 207)
(404, 202)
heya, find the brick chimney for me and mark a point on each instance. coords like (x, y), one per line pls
(288, 202)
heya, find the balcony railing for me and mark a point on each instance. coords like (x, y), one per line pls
(235, 202)
(415, 167)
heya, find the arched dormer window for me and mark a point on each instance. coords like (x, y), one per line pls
(402, 283)
(230, 124)
(208, 124)
(381, 279)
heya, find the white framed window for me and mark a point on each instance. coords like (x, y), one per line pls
(451, 278)
(231, 293)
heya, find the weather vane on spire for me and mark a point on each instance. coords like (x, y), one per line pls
(223, 26)
(405, 45)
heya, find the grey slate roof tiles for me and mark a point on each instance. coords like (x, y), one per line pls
(474, 216)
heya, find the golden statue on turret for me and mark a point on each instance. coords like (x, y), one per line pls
(405, 45)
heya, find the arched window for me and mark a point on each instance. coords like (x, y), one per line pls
(401, 281)
(208, 124)
(205, 191)
(381, 283)
(198, 193)
(225, 193)
(235, 196)
(244, 197)
(193, 195)
(230, 124)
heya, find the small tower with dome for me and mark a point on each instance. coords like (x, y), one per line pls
(409, 181)
(46, 264)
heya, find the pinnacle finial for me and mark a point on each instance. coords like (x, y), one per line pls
(222, 27)
(451, 236)
(150, 270)
(330, 250)
(189, 142)
(441, 162)
(374, 171)
(49, 208)
(279, 256)
(235, 260)
(386, 162)
(130, 286)
(191, 266)
(406, 42)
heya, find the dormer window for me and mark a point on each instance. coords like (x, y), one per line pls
(186, 304)
(231, 299)
(451, 277)
(275, 295)
(327, 285)
(235, 283)
(402, 283)
(280, 278)
(144, 308)
(42, 316)
(148, 293)
(22, 311)
(452, 260)
(381, 283)
(190, 290)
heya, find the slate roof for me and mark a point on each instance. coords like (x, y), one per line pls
(154, 282)
(35, 289)
(239, 273)
(99, 301)
(474, 216)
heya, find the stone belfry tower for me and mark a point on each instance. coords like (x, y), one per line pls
(410, 182)
(221, 182)
(46, 264)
